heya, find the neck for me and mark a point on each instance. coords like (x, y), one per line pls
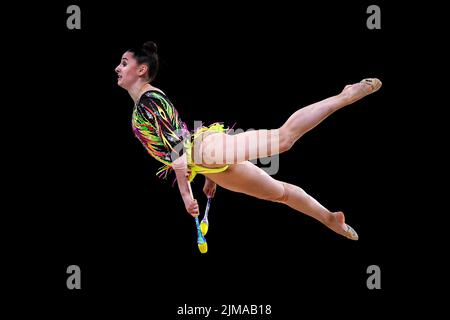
(137, 89)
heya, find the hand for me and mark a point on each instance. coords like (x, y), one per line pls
(210, 188)
(192, 207)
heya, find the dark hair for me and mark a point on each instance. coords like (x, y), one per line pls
(147, 54)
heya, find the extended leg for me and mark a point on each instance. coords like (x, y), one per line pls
(219, 149)
(308, 117)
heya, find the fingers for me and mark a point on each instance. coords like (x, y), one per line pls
(210, 192)
(193, 214)
(213, 192)
(193, 208)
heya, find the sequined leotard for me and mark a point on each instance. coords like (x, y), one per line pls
(157, 125)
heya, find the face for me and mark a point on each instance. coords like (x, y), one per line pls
(128, 71)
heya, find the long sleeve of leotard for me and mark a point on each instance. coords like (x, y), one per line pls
(157, 125)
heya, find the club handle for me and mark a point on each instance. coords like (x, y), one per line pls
(207, 208)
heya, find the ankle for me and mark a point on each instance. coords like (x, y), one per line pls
(328, 219)
(344, 98)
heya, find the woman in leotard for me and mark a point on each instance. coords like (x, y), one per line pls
(222, 158)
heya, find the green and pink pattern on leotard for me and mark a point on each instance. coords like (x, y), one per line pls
(157, 125)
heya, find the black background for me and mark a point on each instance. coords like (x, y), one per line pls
(92, 198)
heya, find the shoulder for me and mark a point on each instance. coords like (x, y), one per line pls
(155, 96)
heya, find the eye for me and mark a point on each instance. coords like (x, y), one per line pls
(124, 64)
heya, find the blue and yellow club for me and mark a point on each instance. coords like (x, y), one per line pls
(201, 241)
(204, 225)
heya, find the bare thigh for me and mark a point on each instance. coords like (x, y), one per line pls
(249, 179)
(217, 149)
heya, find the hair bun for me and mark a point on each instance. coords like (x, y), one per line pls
(150, 47)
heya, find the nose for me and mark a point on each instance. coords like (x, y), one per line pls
(117, 69)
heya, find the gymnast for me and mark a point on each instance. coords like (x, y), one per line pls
(224, 159)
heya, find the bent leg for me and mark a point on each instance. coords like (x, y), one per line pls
(251, 180)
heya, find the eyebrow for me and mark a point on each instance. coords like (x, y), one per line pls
(124, 59)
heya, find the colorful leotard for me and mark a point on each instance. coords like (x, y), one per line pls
(156, 123)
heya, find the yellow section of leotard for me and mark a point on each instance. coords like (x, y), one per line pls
(194, 168)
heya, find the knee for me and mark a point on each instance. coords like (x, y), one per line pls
(286, 139)
(284, 197)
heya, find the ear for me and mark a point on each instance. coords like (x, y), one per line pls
(143, 68)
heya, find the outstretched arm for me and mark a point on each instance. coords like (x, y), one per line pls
(181, 172)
